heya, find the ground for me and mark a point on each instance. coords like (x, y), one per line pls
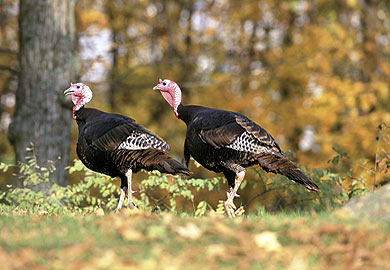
(143, 240)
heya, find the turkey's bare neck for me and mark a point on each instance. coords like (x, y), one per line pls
(77, 107)
(75, 111)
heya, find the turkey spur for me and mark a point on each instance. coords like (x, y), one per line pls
(228, 142)
(116, 145)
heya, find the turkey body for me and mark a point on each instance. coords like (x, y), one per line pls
(228, 142)
(209, 131)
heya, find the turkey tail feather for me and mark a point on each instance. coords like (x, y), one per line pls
(282, 165)
(170, 166)
(149, 159)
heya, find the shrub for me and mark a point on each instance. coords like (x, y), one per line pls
(97, 191)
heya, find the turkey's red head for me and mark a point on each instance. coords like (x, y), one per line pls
(81, 95)
(171, 93)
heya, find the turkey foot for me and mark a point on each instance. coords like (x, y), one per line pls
(130, 202)
(230, 208)
(231, 211)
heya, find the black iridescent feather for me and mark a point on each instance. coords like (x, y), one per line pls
(101, 135)
(224, 141)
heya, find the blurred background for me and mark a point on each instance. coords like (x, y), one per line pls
(315, 74)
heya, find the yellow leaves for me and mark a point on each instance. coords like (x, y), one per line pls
(321, 63)
(91, 17)
(268, 241)
(350, 101)
(381, 88)
(338, 30)
(351, 3)
(367, 102)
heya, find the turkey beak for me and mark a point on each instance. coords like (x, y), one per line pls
(156, 87)
(68, 91)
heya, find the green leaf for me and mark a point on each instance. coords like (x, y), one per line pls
(335, 160)
(201, 209)
(106, 193)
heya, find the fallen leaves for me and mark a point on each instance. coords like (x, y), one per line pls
(216, 251)
(268, 241)
(130, 233)
(189, 231)
(142, 240)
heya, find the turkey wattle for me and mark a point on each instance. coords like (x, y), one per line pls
(228, 142)
(116, 145)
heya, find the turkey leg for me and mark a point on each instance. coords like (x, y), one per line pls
(121, 199)
(130, 201)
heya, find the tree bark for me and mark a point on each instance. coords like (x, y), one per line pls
(47, 66)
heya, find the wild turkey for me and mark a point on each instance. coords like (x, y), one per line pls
(116, 145)
(228, 142)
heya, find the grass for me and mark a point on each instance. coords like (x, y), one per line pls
(142, 240)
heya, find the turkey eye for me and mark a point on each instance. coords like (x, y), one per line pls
(164, 83)
(78, 86)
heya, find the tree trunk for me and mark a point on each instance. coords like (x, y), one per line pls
(47, 66)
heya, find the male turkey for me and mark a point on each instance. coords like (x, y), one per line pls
(227, 142)
(116, 145)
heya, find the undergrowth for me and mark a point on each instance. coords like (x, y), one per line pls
(97, 191)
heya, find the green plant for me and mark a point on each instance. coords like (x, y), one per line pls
(95, 191)
(55, 199)
(174, 187)
(331, 195)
